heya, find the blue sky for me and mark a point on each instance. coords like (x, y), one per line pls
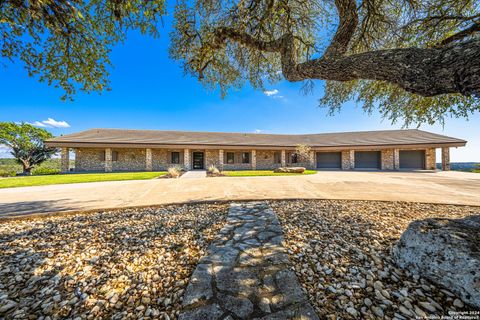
(150, 91)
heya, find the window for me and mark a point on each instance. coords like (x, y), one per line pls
(230, 157)
(176, 157)
(245, 157)
(277, 157)
(103, 155)
(294, 158)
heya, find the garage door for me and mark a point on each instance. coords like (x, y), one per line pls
(329, 160)
(367, 159)
(412, 159)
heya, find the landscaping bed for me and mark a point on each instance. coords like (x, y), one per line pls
(42, 180)
(341, 251)
(122, 264)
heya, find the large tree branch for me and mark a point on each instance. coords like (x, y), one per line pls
(424, 71)
(348, 21)
(462, 34)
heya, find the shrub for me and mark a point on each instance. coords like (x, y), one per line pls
(174, 172)
(213, 169)
(8, 173)
(45, 170)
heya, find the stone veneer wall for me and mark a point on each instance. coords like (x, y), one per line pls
(237, 165)
(129, 160)
(388, 161)
(346, 163)
(89, 159)
(430, 159)
(266, 160)
(212, 157)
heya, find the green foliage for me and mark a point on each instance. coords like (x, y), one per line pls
(8, 172)
(45, 170)
(382, 24)
(394, 103)
(66, 43)
(26, 143)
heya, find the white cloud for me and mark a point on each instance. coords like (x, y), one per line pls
(258, 131)
(56, 124)
(38, 124)
(51, 123)
(270, 93)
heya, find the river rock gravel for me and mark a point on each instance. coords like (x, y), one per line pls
(122, 264)
(342, 255)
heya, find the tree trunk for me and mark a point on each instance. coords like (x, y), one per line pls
(26, 168)
(426, 72)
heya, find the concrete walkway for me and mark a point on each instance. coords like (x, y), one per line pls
(194, 174)
(440, 187)
(246, 273)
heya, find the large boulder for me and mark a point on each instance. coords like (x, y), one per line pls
(445, 251)
(290, 169)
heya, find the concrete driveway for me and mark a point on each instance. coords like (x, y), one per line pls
(435, 187)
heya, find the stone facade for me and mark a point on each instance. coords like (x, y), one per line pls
(129, 160)
(388, 161)
(65, 160)
(348, 159)
(445, 159)
(89, 159)
(266, 160)
(212, 157)
(143, 159)
(430, 159)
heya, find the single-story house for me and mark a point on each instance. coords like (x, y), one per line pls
(147, 150)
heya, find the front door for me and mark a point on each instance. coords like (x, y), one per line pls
(198, 160)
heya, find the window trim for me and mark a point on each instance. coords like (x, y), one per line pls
(246, 160)
(233, 157)
(294, 158)
(277, 157)
(172, 160)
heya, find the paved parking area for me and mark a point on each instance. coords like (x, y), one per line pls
(436, 187)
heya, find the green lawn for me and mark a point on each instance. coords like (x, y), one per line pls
(76, 178)
(251, 173)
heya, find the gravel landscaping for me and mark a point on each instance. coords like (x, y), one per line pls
(342, 255)
(127, 264)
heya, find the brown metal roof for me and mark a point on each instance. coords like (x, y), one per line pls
(98, 137)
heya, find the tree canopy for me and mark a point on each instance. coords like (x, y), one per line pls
(417, 60)
(67, 43)
(26, 143)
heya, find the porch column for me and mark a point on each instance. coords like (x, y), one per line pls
(108, 160)
(311, 159)
(148, 160)
(283, 159)
(186, 159)
(254, 159)
(396, 159)
(446, 159)
(65, 160)
(220, 159)
(352, 159)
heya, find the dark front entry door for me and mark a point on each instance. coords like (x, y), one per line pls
(198, 160)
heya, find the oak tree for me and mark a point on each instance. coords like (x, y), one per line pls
(413, 59)
(67, 43)
(26, 143)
